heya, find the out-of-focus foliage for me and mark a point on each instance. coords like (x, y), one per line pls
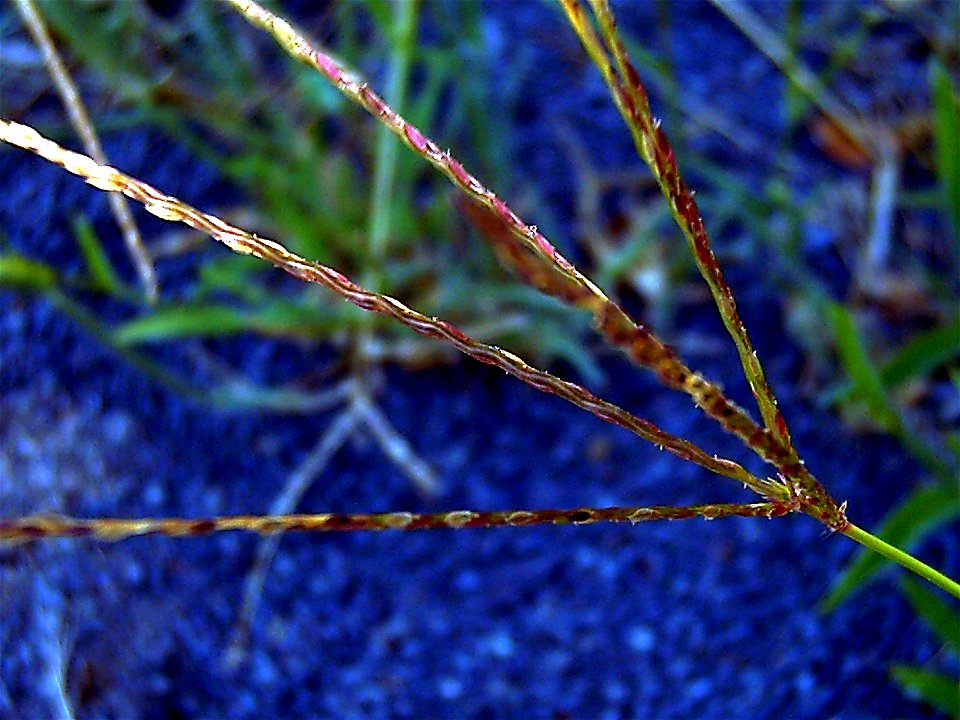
(946, 128)
(304, 162)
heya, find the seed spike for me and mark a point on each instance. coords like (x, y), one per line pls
(771, 441)
(46, 526)
(653, 145)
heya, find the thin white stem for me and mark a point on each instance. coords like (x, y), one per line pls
(80, 121)
(296, 486)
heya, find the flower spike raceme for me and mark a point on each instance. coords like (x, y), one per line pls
(653, 146)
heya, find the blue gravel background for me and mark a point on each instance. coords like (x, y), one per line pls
(690, 619)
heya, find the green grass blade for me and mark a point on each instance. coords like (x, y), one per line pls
(922, 355)
(868, 385)
(404, 23)
(274, 317)
(925, 509)
(19, 272)
(935, 689)
(860, 368)
(940, 616)
(102, 272)
(22, 274)
(946, 131)
(233, 276)
(181, 321)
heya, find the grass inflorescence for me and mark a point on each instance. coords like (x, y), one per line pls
(536, 260)
(525, 250)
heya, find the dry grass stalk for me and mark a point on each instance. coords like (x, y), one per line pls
(91, 143)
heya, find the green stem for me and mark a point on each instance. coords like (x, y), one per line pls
(908, 561)
(405, 17)
(385, 162)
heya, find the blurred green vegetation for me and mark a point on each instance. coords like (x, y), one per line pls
(934, 688)
(313, 173)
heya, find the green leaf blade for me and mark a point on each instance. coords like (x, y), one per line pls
(940, 691)
(17, 271)
(861, 370)
(942, 619)
(177, 322)
(922, 355)
(101, 270)
(946, 131)
(867, 385)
